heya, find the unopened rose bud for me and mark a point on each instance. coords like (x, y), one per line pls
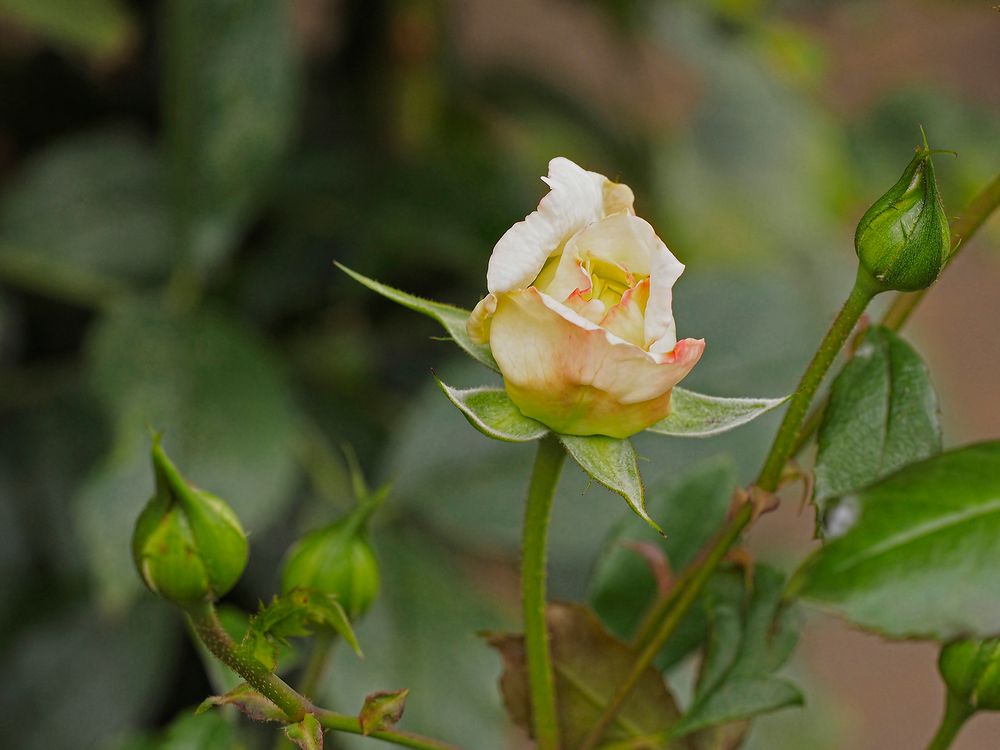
(188, 545)
(903, 240)
(971, 670)
(337, 559)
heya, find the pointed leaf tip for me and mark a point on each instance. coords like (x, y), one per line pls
(452, 318)
(612, 463)
(491, 411)
(697, 415)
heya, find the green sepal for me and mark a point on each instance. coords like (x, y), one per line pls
(612, 463)
(248, 701)
(697, 415)
(491, 411)
(453, 318)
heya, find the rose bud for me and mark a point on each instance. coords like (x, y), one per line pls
(903, 240)
(338, 559)
(188, 545)
(578, 314)
(971, 670)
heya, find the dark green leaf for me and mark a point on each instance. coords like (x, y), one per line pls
(86, 219)
(697, 415)
(101, 28)
(751, 635)
(453, 319)
(492, 412)
(612, 463)
(226, 412)
(589, 664)
(623, 587)
(883, 414)
(207, 731)
(230, 102)
(916, 554)
(74, 665)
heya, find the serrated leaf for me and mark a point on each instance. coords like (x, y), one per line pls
(751, 635)
(491, 411)
(883, 414)
(298, 614)
(87, 218)
(307, 734)
(588, 664)
(232, 83)
(612, 463)
(247, 701)
(382, 710)
(697, 415)
(622, 587)
(452, 318)
(916, 554)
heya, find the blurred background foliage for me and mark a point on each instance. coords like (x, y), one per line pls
(177, 177)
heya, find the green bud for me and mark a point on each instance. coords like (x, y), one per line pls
(971, 670)
(337, 559)
(188, 545)
(903, 240)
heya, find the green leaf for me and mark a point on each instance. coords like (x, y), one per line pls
(612, 463)
(102, 28)
(224, 407)
(382, 710)
(697, 415)
(73, 663)
(248, 702)
(307, 734)
(230, 100)
(298, 614)
(916, 554)
(589, 664)
(491, 411)
(622, 587)
(751, 635)
(883, 414)
(206, 731)
(452, 318)
(971, 670)
(86, 219)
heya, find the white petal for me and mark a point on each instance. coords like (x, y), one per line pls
(665, 269)
(577, 197)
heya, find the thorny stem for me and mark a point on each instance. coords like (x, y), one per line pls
(672, 617)
(210, 631)
(541, 682)
(693, 580)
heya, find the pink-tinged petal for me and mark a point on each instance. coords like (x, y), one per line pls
(665, 269)
(577, 377)
(577, 198)
(626, 319)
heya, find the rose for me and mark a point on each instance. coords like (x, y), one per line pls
(578, 314)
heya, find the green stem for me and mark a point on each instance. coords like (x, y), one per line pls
(788, 433)
(541, 683)
(956, 713)
(672, 617)
(351, 725)
(209, 629)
